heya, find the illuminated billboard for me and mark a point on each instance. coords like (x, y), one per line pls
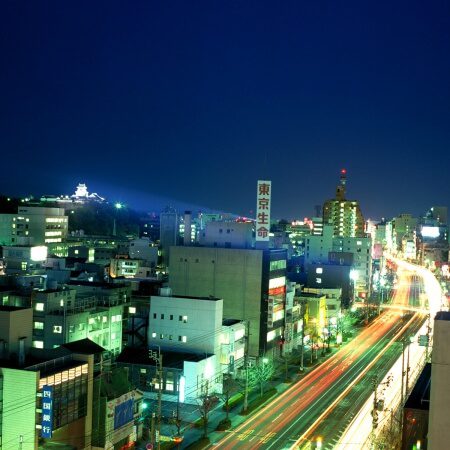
(430, 232)
(38, 253)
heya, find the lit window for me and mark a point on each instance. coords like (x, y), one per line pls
(319, 270)
(57, 329)
(132, 310)
(318, 280)
(38, 344)
(61, 302)
(185, 319)
(153, 335)
(105, 319)
(38, 325)
(113, 336)
(184, 339)
(39, 307)
(161, 336)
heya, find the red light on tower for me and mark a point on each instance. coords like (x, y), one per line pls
(343, 171)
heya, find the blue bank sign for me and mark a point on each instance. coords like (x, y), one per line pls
(123, 413)
(47, 412)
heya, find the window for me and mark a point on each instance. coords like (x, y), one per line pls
(154, 315)
(71, 328)
(162, 316)
(132, 310)
(38, 325)
(318, 280)
(171, 317)
(153, 335)
(185, 319)
(39, 307)
(38, 344)
(161, 336)
(183, 338)
(61, 302)
(57, 329)
(180, 318)
(319, 270)
(170, 337)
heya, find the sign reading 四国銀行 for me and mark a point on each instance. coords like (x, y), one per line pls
(47, 412)
(264, 192)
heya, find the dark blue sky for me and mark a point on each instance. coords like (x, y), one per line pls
(195, 101)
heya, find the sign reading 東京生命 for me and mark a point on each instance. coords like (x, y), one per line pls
(263, 210)
(47, 412)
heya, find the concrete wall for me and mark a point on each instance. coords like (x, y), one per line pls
(231, 274)
(439, 422)
(202, 323)
(19, 409)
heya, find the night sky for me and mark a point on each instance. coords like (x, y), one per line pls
(194, 101)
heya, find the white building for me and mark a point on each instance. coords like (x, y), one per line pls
(228, 234)
(39, 225)
(195, 325)
(190, 324)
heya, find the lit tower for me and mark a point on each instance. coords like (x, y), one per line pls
(345, 215)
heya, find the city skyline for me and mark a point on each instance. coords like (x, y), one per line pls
(194, 104)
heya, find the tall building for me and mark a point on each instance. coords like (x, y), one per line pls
(252, 284)
(439, 419)
(345, 215)
(168, 231)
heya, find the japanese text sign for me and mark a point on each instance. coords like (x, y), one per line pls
(47, 412)
(263, 194)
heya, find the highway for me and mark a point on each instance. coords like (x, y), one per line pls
(325, 401)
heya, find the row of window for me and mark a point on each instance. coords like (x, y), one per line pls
(170, 337)
(183, 319)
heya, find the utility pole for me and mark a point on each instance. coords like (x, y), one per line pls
(247, 334)
(407, 369)
(302, 346)
(157, 356)
(428, 339)
(375, 403)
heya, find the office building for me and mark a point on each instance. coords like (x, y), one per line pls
(38, 225)
(168, 232)
(252, 284)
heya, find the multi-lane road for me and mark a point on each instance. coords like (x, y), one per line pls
(324, 401)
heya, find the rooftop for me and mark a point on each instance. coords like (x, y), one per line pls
(420, 395)
(210, 298)
(8, 308)
(442, 315)
(230, 322)
(132, 355)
